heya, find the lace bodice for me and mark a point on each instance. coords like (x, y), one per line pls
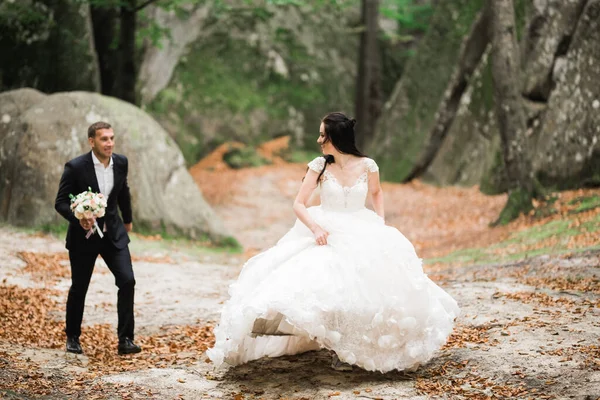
(335, 196)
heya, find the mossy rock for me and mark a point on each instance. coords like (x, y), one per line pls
(409, 114)
(564, 136)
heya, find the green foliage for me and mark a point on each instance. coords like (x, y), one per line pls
(230, 244)
(539, 233)
(494, 180)
(519, 202)
(165, 4)
(224, 70)
(58, 230)
(589, 176)
(300, 156)
(508, 250)
(194, 248)
(49, 46)
(410, 14)
(244, 157)
(148, 28)
(521, 10)
(286, 2)
(171, 238)
(398, 47)
(151, 30)
(24, 18)
(585, 203)
(547, 208)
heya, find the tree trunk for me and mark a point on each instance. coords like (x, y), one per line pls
(368, 85)
(127, 70)
(104, 22)
(472, 50)
(510, 111)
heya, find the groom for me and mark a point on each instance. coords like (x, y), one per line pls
(106, 173)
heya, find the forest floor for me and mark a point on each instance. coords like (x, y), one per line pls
(529, 293)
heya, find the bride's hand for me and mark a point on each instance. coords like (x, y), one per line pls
(320, 236)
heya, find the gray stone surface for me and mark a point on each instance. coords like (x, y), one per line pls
(561, 98)
(568, 146)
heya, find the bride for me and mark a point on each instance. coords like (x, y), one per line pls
(340, 279)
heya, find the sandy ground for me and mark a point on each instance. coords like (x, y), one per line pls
(519, 342)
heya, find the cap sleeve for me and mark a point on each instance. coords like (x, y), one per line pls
(371, 165)
(317, 164)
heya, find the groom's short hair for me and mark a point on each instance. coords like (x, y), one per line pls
(95, 126)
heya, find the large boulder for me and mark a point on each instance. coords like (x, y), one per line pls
(550, 26)
(472, 146)
(39, 133)
(568, 146)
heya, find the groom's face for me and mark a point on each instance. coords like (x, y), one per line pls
(103, 143)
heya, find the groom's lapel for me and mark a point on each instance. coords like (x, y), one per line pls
(90, 174)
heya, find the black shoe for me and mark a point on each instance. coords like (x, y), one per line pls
(126, 346)
(73, 345)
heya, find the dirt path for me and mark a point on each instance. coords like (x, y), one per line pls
(256, 204)
(529, 329)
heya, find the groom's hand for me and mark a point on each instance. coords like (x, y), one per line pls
(87, 223)
(129, 226)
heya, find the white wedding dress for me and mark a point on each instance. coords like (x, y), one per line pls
(363, 295)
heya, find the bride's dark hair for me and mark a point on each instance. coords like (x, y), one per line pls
(339, 129)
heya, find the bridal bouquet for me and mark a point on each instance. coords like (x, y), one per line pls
(89, 205)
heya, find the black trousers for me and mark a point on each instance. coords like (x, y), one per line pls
(82, 266)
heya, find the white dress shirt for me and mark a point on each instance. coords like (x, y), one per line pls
(104, 175)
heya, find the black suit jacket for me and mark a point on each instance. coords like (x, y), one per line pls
(79, 174)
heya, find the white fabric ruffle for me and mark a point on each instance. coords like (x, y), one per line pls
(364, 295)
